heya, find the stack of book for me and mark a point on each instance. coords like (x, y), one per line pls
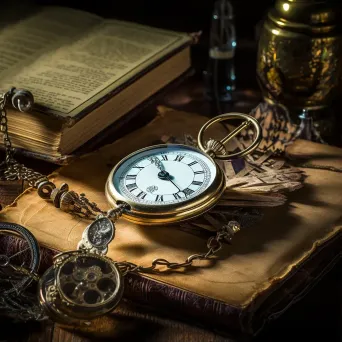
(85, 73)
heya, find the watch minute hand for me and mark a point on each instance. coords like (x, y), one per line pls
(169, 178)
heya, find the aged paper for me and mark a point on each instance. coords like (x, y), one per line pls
(24, 42)
(260, 256)
(67, 71)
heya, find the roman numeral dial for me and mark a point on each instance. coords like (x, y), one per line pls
(164, 175)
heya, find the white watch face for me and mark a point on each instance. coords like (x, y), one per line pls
(164, 175)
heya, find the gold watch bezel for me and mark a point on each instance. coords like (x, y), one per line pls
(167, 214)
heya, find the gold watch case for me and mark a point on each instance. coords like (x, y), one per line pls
(167, 214)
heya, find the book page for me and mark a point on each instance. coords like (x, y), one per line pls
(81, 72)
(24, 43)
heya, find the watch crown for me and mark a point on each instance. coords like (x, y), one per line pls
(214, 147)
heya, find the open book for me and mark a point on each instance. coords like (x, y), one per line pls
(85, 73)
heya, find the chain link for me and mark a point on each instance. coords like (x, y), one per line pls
(10, 169)
(214, 244)
(16, 171)
(91, 208)
(4, 127)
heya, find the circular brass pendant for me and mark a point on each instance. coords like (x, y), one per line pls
(80, 287)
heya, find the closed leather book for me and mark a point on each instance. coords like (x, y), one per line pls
(267, 268)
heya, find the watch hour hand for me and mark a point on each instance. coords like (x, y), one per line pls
(163, 174)
(158, 163)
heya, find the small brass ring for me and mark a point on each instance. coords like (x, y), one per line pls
(45, 189)
(227, 116)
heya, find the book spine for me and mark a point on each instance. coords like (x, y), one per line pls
(153, 294)
(205, 311)
(182, 304)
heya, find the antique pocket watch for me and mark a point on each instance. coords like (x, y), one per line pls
(164, 184)
(161, 184)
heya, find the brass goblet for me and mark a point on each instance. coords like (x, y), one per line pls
(299, 62)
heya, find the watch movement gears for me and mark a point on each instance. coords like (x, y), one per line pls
(12, 279)
(81, 286)
(92, 281)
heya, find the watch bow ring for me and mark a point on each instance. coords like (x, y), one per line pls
(169, 183)
(213, 145)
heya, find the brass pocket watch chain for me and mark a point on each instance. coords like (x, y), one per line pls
(84, 284)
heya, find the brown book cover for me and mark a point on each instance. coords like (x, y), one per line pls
(267, 268)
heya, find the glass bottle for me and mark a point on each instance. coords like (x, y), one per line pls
(219, 76)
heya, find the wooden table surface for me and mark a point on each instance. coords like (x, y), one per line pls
(317, 317)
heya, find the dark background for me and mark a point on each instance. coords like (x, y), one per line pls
(184, 15)
(187, 16)
(179, 15)
(318, 315)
